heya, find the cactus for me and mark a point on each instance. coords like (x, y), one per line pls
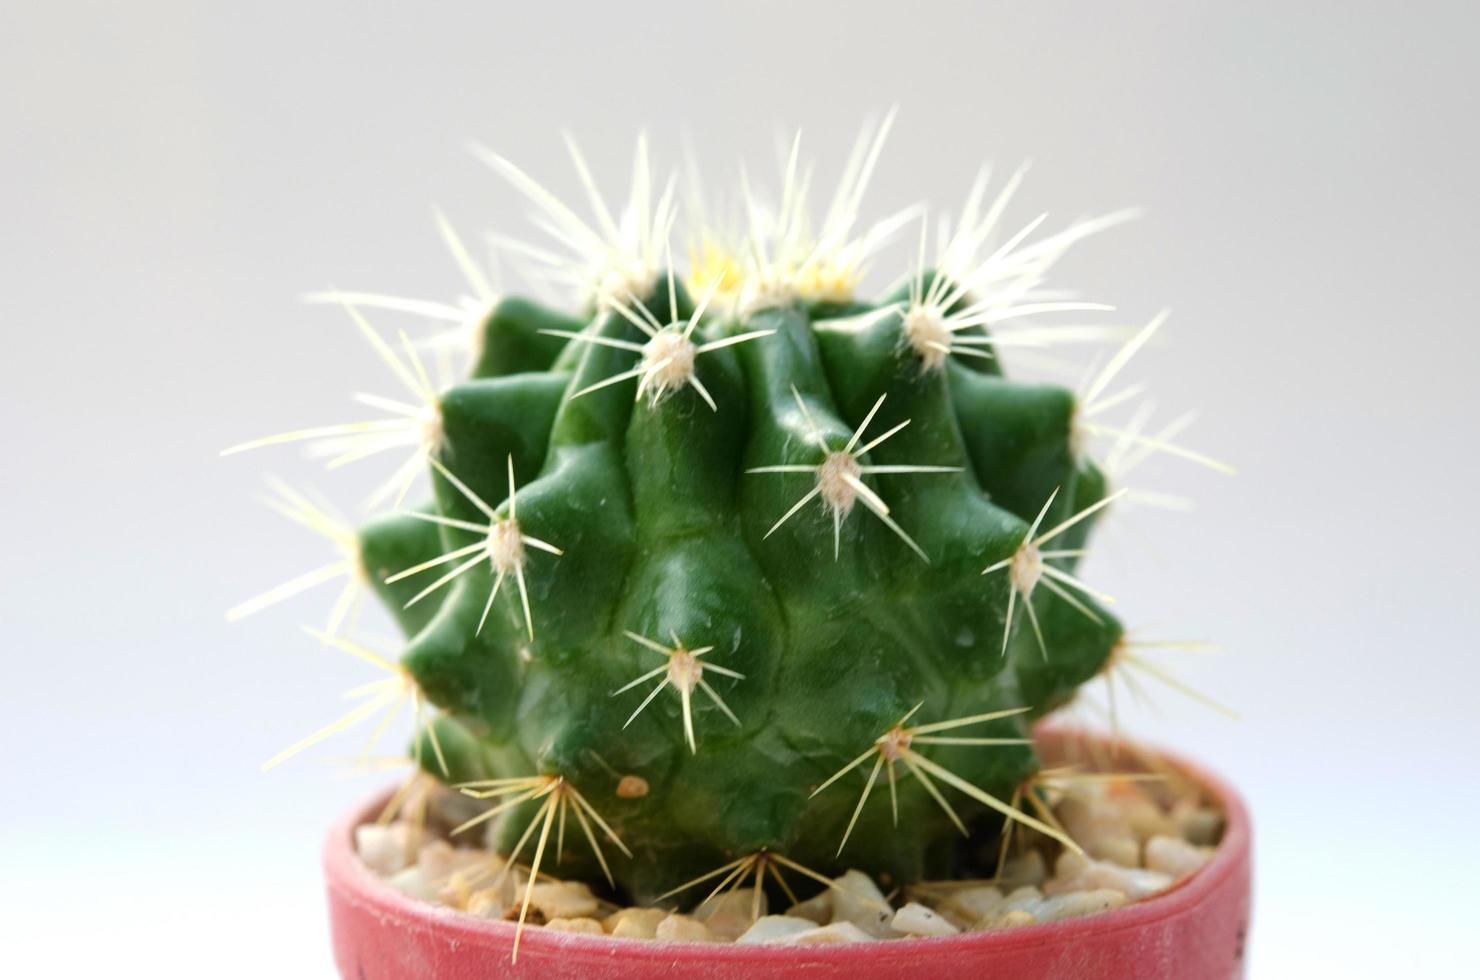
(709, 561)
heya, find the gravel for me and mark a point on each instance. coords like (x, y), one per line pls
(1140, 837)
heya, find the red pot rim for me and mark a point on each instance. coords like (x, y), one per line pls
(352, 882)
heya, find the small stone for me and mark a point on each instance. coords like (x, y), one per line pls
(1077, 875)
(411, 881)
(818, 908)
(979, 900)
(965, 907)
(857, 899)
(502, 893)
(488, 903)
(635, 923)
(563, 900)
(1123, 850)
(957, 917)
(1080, 814)
(916, 920)
(677, 928)
(1098, 826)
(730, 914)
(1069, 864)
(1007, 919)
(1074, 904)
(1135, 810)
(1175, 857)
(589, 926)
(775, 928)
(385, 849)
(1017, 908)
(437, 860)
(456, 891)
(837, 932)
(1197, 824)
(1021, 898)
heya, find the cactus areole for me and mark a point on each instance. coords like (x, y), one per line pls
(797, 562)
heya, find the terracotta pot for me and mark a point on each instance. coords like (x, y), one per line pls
(1197, 929)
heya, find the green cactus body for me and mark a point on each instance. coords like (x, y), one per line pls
(806, 517)
(664, 535)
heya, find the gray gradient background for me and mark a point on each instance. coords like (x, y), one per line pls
(175, 175)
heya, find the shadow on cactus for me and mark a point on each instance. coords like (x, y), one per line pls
(737, 571)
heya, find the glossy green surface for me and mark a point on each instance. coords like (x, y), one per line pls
(664, 533)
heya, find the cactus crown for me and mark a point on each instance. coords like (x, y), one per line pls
(707, 562)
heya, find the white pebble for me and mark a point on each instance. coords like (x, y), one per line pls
(966, 907)
(1099, 826)
(588, 926)
(635, 923)
(1005, 919)
(438, 859)
(1198, 824)
(1021, 898)
(1072, 904)
(684, 929)
(563, 900)
(1069, 864)
(978, 900)
(818, 908)
(1016, 909)
(730, 914)
(1123, 850)
(503, 893)
(488, 903)
(837, 932)
(455, 891)
(1127, 799)
(916, 920)
(1176, 857)
(775, 928)
(384, 848)
(1079, 875)
(412, 882)
(857, 899)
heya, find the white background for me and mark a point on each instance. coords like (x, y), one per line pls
(174, 175)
